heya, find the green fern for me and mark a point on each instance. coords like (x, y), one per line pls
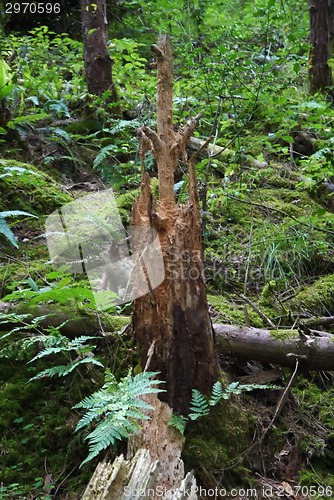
(179, 422)
(103, 154)
(63, 370)
(56, 344)
(217, 393)
(4, 227)
(117, 408)
(9, 171)
(63, 344)
(8, 233)
(198, 405)
(26, 119)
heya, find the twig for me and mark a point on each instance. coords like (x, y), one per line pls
(150, 353)
(257, 310)
(203, 146)
(283, 398)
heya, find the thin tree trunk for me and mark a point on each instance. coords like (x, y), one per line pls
(174, 317)
(98, 64)
(320, 74)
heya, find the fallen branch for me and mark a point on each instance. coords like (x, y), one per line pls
(324, 320)
(280, 347)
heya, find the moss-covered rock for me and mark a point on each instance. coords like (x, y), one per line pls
(24, 187)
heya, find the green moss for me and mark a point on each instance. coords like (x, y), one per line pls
(267, 294)
(125, 202)
(37, 420)
(216, 441)
(12, 274)
(35, 429)
(317, 298)
(270, 176)
(233, 313)
(284, 335)
(24, 187)
(318, 482)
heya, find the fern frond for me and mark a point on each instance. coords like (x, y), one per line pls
(179, 422)
(6, 231)
(92, 415)
(48, 351)
(13, 317)
(15, 213)
(198, 405)
(4, 227)
(233, 388)
(252, 387)
(106, 434)
(120, 406)
(19, 120)
(141, 384)
(49, 372)
(103, 154)
(217, 393)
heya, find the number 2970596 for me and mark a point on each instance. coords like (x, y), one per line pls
(32, 8)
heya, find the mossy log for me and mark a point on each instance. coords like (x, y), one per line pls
(73, 322)
(281, 347)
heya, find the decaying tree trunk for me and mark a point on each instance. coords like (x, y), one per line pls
(320, 74)
(282, 347)
(98, 64)
(171, 323)
(174, 318)
(156, 466)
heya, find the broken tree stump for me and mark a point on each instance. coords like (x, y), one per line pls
(174, 316)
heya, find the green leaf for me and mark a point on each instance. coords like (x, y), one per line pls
(8, 233)
(33, 284)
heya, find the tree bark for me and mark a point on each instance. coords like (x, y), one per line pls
(320, 74)
(98, 64)
(174, 317)
(280, 347)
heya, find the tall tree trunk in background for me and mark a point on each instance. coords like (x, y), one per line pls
(320, 74)
(173, 319)
(98, 64)
(331, 27)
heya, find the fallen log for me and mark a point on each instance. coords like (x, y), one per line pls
(277, 346)
(280, 347)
